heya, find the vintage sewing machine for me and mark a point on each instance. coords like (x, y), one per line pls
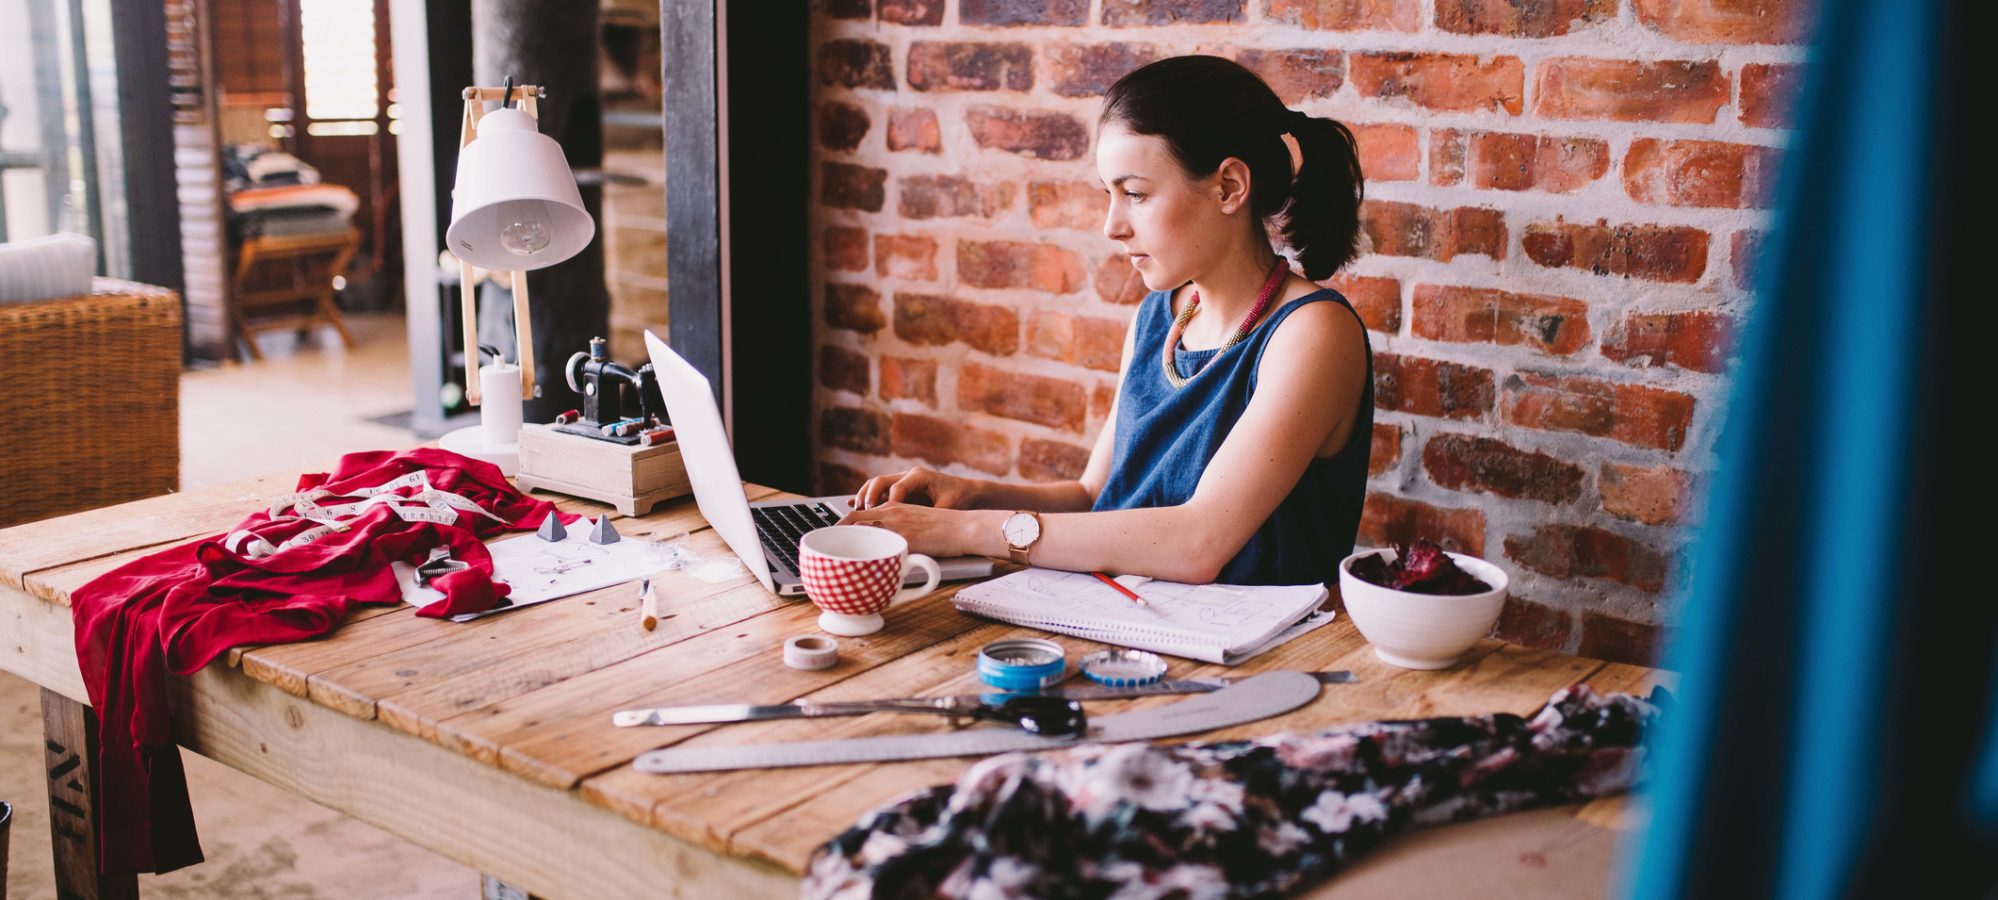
(604, 452)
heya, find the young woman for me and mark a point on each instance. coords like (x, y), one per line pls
(1237, 445)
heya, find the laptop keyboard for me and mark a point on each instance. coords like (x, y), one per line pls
(781, 527)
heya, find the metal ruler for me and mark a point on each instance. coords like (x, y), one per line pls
(1248, 700)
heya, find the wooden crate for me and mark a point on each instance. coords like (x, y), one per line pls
(632, 478)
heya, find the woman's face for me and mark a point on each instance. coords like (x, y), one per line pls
(1174, 227)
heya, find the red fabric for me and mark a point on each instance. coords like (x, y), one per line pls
(176, 610)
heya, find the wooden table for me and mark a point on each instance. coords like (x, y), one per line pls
(491, 742)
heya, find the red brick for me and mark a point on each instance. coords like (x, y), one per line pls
(1582, 551)
(1087, 70)
(1631, 413)
(903, 378)
(1512, 18)
(1463, 462)
(1521, 162)
(1066, 204)
(1629, 91)
(842, 125)
(1014, 264)
(850, 9)
(1388, 520)
(856, 64)
(914, 129)
(1446, 157)
(1657, 495)
(924, 319)
(1101, 398)
(859, 430)
(905, 256)
(854, 307)
(1347, 15)
(1699, 173)
(1118, 282)
(1377, 300)
(950, 196)
(1023, 12)
(970, 66)
(837, 479)
(1085, 341)
(1171, 12)
(1767, 93)
(1465, 315)
(1698, 340)
(1385, 452)
(1728, 21)
(843, 370)
(1620, 640)
(852, 187)
(846, 248)
(1029, 398)
(1529, 624)
(1051, 460)
(912, 12)
(1443, 81)
(1389, 152)
(1405, 229)
(1650, 252)
(1431, 387)
(942, 442)
(1297, 75)
(1745, 249)
(1031, 133)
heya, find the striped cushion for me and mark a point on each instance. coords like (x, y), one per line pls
(59, 265)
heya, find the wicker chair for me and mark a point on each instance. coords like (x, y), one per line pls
(90, 415)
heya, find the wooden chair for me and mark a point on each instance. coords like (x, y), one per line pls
(287, 283)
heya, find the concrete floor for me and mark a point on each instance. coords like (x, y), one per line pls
(301, 407)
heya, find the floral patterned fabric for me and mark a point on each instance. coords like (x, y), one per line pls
(1239, 819)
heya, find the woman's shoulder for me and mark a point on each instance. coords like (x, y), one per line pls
(1318, 317)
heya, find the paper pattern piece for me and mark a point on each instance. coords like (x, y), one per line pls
(541, 570)
(1212, 622)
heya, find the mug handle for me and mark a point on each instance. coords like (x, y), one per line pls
(918, 560)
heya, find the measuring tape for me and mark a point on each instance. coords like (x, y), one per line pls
(440, 507)
(1251, 699)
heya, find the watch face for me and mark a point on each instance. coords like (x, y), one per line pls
(1021, 529)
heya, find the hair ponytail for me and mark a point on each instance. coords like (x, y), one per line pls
(1200, 104)
(1321, 222)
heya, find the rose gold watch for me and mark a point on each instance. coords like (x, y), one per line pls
(1022, 530)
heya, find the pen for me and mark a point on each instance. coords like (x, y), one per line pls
(1120, 588)
(648, 605)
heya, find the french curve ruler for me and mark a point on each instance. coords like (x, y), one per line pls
(1251, 699)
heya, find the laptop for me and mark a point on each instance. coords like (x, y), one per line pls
(763, 535)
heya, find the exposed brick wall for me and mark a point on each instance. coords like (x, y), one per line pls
(1564, 199)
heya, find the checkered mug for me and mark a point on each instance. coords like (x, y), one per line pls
(851, 572)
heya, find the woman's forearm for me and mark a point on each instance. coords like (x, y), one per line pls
(1046, 497)
(1174, 543)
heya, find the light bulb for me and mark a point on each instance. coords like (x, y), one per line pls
(525, 228)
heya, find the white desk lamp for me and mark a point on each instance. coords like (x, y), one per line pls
(514, 208)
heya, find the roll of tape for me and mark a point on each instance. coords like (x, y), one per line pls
(811, 651)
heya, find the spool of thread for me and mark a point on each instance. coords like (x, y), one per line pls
(811, 652)
(568, 416)
(657, 436)
(499, 404)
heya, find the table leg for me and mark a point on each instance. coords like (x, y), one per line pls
(69, 736)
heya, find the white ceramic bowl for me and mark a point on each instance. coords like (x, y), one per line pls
(1422, 631)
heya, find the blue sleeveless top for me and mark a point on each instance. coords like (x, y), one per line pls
(1166, 435)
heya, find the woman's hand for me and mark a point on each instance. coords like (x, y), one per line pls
(933, 531)
(926, 487)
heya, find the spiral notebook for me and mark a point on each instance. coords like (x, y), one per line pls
(1218, 623)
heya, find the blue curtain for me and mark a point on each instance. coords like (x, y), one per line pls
(1834, 732)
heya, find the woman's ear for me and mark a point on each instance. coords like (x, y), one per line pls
(1232, 184)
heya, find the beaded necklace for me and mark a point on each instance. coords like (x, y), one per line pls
(1270, 286)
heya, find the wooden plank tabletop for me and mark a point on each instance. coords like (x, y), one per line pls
(531, 693)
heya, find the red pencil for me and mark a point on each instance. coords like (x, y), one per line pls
(1120, 588)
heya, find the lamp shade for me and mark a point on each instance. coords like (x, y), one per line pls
(515, 206)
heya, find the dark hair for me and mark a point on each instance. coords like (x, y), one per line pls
(1208, 109)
